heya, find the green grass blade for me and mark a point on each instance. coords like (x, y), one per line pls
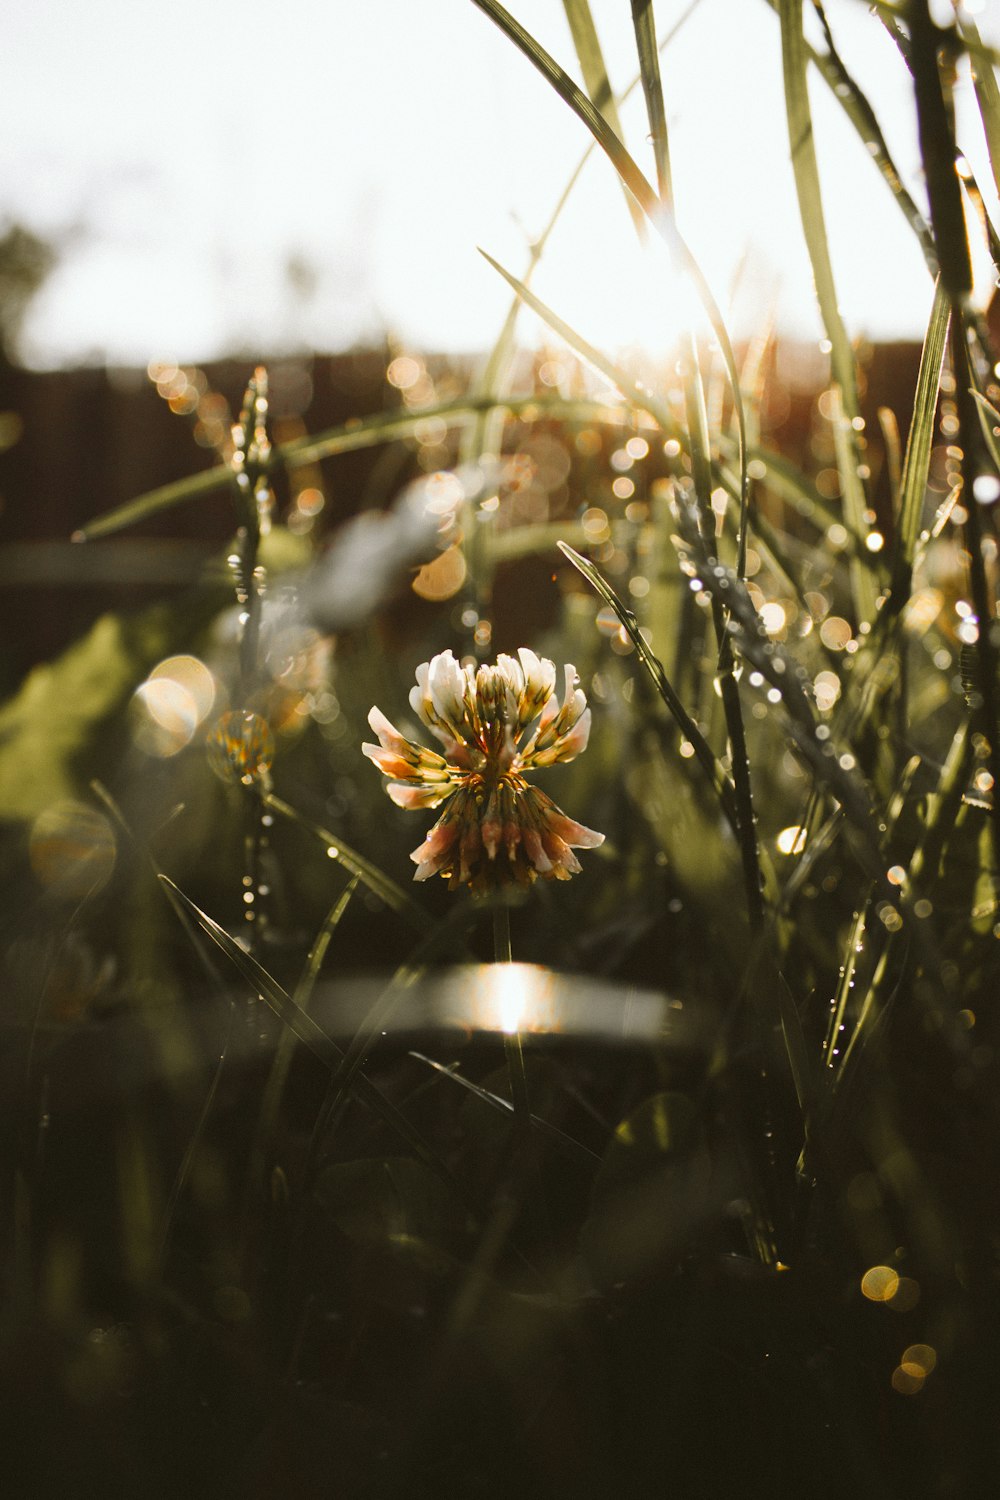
(938, 824)
(383, 427)
(259, 980)
(989, 421)
(654, 668)
(984, 81)
(859, 112)
(164, 497)
(806, 172)
(285, 1051)
(640, 189)
(652, 88)
(317, 953)
(595, 77)
(492, 381)
(916, 464)
(634, 394)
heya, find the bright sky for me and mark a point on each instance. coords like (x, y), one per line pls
(186, 154)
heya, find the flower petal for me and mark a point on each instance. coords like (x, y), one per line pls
(389, 736)
(413, 796)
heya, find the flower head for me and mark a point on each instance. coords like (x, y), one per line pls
(494, 724)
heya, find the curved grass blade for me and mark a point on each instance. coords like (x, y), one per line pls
(627, 169)
(569, 1147)
(654, 667)
(633, 393)
(493, 377)
(307, 1031)
(938, 824)
(351, 436)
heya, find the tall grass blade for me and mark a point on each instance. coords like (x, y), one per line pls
(596, 81)
(984, 80)
(806, 172)
(285, 1051)
(935, 128)
(483, 435)
(859, 112)
(916, 464)
(861, 563)
(652, 88)
(709, 763)
(640, 189)
(938, 825)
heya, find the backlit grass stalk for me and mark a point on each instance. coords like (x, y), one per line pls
(806, 171)
(513, 1050)
(698, 435)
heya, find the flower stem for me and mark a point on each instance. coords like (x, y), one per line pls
(511, 1039)
(501, 934)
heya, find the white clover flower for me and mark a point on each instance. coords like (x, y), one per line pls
(494, 724)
